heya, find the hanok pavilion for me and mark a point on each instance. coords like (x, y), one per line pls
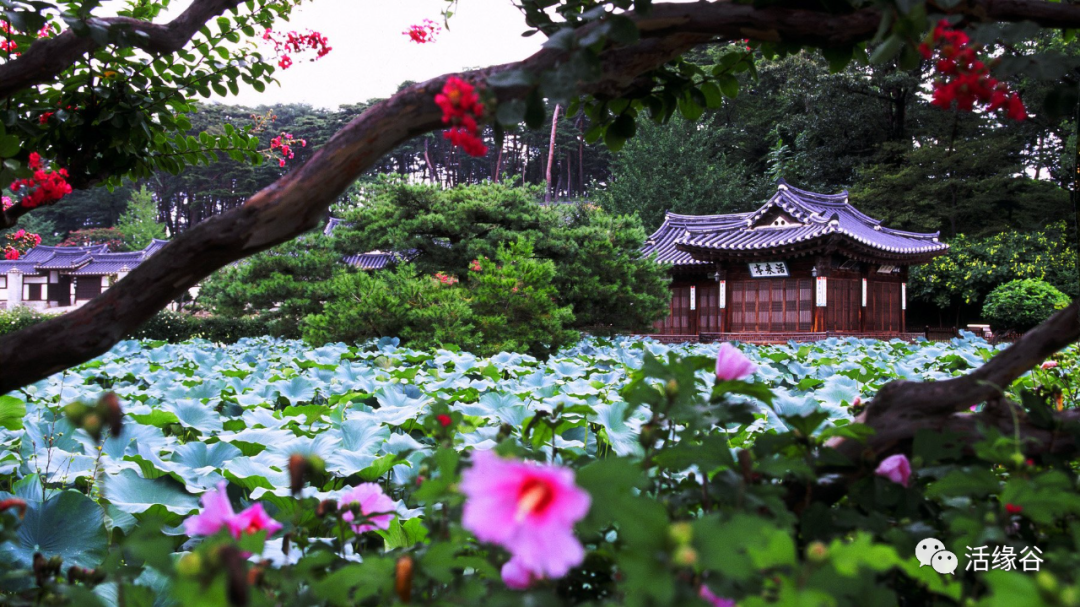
(804, 265)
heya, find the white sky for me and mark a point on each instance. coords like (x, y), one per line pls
(371, 56)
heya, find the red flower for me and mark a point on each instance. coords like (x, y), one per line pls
(11, 254)
(1016, 108)
(967, 80)
(46, 187)
(1013, 509)
(461, 108)
(44, 118)
(444, 419)
(423, 33)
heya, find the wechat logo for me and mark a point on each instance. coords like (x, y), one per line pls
(931, 552)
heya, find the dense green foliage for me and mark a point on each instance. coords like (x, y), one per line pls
(961, 280)
(281, 286)
(866, 128)
(164, 326)
(599, 283)
(139, 223)
(598, 270)
(693, 482)
(504, 304)
(1022, 304)
(683, 167)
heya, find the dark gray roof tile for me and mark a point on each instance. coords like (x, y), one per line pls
(683, 239)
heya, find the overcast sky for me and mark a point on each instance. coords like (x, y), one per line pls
(371, 56)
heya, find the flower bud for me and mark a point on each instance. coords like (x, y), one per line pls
(326, 507)
(298, 469)
(92, 424)
(236, 579)
(685, 556)
(14, 502)
(75, 412)
(113, 414)
(1047, 582)
(681, 533)
(189, 565)
(403, 576)
(817, 552)
(672, 388)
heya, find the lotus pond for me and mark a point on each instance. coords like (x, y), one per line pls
(197, 414)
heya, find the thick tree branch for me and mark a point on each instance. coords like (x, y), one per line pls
(298, 201)
(10, 217)
(46, 59)
(903, 408)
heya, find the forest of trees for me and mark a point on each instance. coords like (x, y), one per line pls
(911, 164)
(903, 160)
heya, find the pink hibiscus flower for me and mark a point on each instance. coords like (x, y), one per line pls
(374, 505)
(712, 599)
(253, 520)
(732, 365)
(217, 513)
(530, 509)
(896, 468)
(516, 576)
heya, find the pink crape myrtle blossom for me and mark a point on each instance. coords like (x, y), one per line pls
(217, 513)
(374, 505)
(732, 365)
(530, 509)
(516, 576)
(896, 468)
(716, 601)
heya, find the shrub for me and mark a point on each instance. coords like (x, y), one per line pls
(176, 327)
(399, 302)
(1022, 304)
(18, 318)
(506, 304)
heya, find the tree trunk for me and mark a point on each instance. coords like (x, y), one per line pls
(551, 152)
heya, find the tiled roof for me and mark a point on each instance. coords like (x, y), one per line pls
(25, 267)
(107, 264)
(676, 227)
(370, 260)
(374, 260)
(93, 260)
(65, 260)
(815, 219)
(330, 225)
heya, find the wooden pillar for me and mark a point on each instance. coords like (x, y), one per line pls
(15, 288)
(864, 281)
(903, 298)
(721, 298)
(821, 292)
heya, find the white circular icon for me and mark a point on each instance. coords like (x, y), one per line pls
(945, 561)
(926, 549)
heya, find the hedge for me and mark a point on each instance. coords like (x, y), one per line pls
(164, 326)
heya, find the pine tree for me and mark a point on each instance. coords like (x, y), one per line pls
(139, 223)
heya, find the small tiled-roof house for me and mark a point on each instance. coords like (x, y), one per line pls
(52, 277)
(801, 263)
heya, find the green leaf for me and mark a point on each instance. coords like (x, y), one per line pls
(12, 412)
(135, 495)
(68, 524)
